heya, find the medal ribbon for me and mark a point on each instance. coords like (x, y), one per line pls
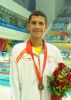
(29, 50)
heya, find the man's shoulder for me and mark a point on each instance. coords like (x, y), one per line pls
(18, 48)
(52, 47)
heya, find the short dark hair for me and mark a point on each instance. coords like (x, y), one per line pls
(38, 13)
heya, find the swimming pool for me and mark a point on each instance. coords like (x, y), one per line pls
(5, 73)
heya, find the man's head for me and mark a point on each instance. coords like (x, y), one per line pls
(38, 13)
(37, 24)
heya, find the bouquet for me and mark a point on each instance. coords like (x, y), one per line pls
(60, 81)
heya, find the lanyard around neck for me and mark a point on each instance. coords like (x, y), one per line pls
(29, 50)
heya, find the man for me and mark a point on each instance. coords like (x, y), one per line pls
(32, 61)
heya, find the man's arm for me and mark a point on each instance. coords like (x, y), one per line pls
(59, 58)
(14, 79)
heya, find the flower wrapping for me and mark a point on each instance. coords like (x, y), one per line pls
(60, 81)
(56, 97)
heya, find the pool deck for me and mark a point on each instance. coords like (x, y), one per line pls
(5, 93)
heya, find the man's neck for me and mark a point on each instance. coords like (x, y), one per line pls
(36, 42)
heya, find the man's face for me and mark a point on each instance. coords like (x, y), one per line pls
(37, 26)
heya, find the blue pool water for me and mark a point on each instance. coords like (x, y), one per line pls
(4, 80)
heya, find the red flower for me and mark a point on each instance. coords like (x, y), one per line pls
(54, 83)
(61, 84)
(68, 77)
(56, 72)
(61, 65)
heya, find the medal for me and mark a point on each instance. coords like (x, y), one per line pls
(40, 86)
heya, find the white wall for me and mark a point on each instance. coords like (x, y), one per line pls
(59, 5)
(12, 34)
(45, 6)
(50, 7)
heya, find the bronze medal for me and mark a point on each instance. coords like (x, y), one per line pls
(40, 86)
